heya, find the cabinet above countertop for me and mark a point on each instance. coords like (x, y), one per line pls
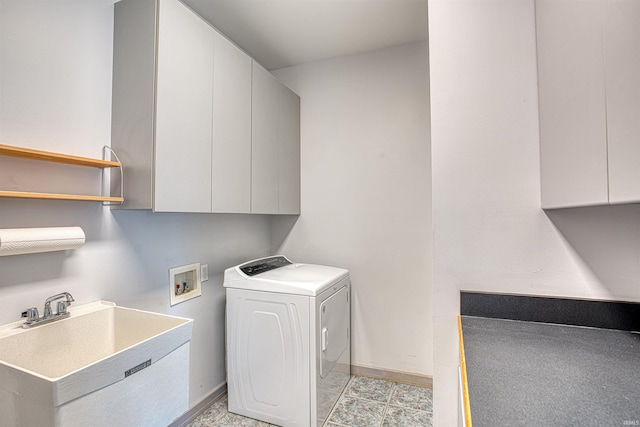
(589, 101)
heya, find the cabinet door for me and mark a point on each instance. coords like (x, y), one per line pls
(289, 171)
(264, 142)
(133, 107)
(231, 150)
(573, 151)
(622, 62)
(183, 111)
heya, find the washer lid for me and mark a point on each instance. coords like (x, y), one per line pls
(286, 278)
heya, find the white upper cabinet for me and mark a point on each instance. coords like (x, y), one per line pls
(133, 102)
(195, 127)
(289, 153)
(231, 164)
(275, 146)
(163, 105)
(573, 145)
(265, 142)
(622, 74)
(184, 111)
(589, 81)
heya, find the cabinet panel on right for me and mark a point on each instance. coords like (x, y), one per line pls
(622, 74)
(231, 144)
(275, 146)
(589, 100)
(289, 153)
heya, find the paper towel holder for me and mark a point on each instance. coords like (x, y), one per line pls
(19, 241)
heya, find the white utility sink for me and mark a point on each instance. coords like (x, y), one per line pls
(104, 365)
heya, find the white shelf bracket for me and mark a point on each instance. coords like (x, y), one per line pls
(107, 153)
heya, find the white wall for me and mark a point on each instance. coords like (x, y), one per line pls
(55, 94)
(366, 202)
(490, 232)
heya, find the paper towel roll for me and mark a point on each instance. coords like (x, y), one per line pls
(16, 241)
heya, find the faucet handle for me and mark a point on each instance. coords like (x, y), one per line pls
(31, 314)
(62, 307)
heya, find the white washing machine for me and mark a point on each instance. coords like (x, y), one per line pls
(288, 340)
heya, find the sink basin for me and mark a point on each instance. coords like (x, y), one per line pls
(48, 372)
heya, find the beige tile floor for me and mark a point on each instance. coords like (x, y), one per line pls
(365, 402)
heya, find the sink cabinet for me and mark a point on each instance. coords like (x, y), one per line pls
(186, 121)
(589, 99)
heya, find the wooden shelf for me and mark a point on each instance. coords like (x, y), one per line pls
(55, 196)
(28, 153)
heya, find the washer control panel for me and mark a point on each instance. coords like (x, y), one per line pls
(265, 264)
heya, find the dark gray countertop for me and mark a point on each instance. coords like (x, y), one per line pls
(539, 374)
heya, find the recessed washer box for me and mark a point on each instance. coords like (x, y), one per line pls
(184, 283)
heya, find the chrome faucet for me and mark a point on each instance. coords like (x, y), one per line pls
(32, 315)
(62, 305)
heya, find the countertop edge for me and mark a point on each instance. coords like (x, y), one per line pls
(466, 405)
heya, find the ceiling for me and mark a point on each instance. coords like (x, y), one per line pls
(283, 33)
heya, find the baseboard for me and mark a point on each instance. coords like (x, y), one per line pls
(200, 407)
(391, 375)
